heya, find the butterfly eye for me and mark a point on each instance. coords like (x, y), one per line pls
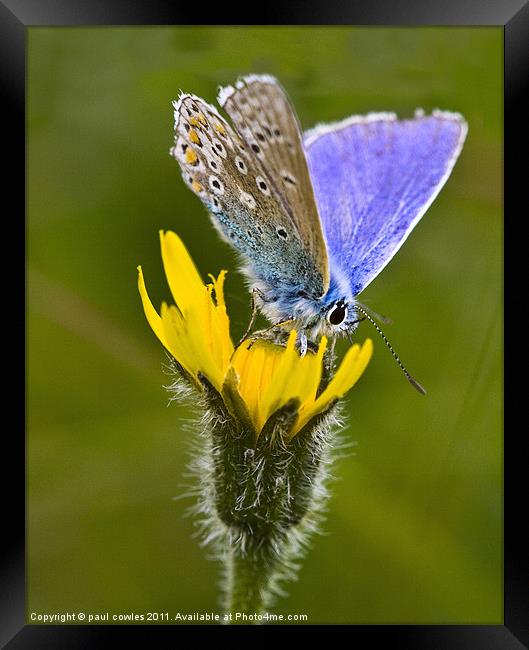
(337, 313)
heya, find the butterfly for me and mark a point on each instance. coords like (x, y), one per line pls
(314, 216)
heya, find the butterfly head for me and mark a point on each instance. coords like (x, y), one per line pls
(339, 318)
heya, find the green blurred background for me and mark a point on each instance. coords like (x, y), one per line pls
(415, 522)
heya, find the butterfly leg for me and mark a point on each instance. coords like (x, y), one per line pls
(262, 334)
(253, 316)
(302, 343)
(329, 361)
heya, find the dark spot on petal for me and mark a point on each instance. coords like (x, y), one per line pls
(260, 136)
(282, 233)
(255, 148)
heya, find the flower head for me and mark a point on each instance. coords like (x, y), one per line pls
(262, 375)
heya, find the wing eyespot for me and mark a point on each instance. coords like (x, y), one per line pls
(219, 147)
(262, 185)
(216, 205)
(216, 185)
(241, 165)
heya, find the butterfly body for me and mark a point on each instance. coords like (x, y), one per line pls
(314, 217)
(331, 314)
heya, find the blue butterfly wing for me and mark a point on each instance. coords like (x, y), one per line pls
(373, 178)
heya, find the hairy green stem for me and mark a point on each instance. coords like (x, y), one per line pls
(249, 577)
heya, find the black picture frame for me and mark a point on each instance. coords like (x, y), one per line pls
(16, 16)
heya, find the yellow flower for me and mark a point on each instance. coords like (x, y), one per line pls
(266, 376)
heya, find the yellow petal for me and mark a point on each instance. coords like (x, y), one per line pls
(309, 374)
(175, 336)
(351, 369)
(151, 314)
(275, 394)
(182, 276)
(254, 365)
(221, 342)
(199, 339)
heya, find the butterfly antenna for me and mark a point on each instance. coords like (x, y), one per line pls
(412, 381)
